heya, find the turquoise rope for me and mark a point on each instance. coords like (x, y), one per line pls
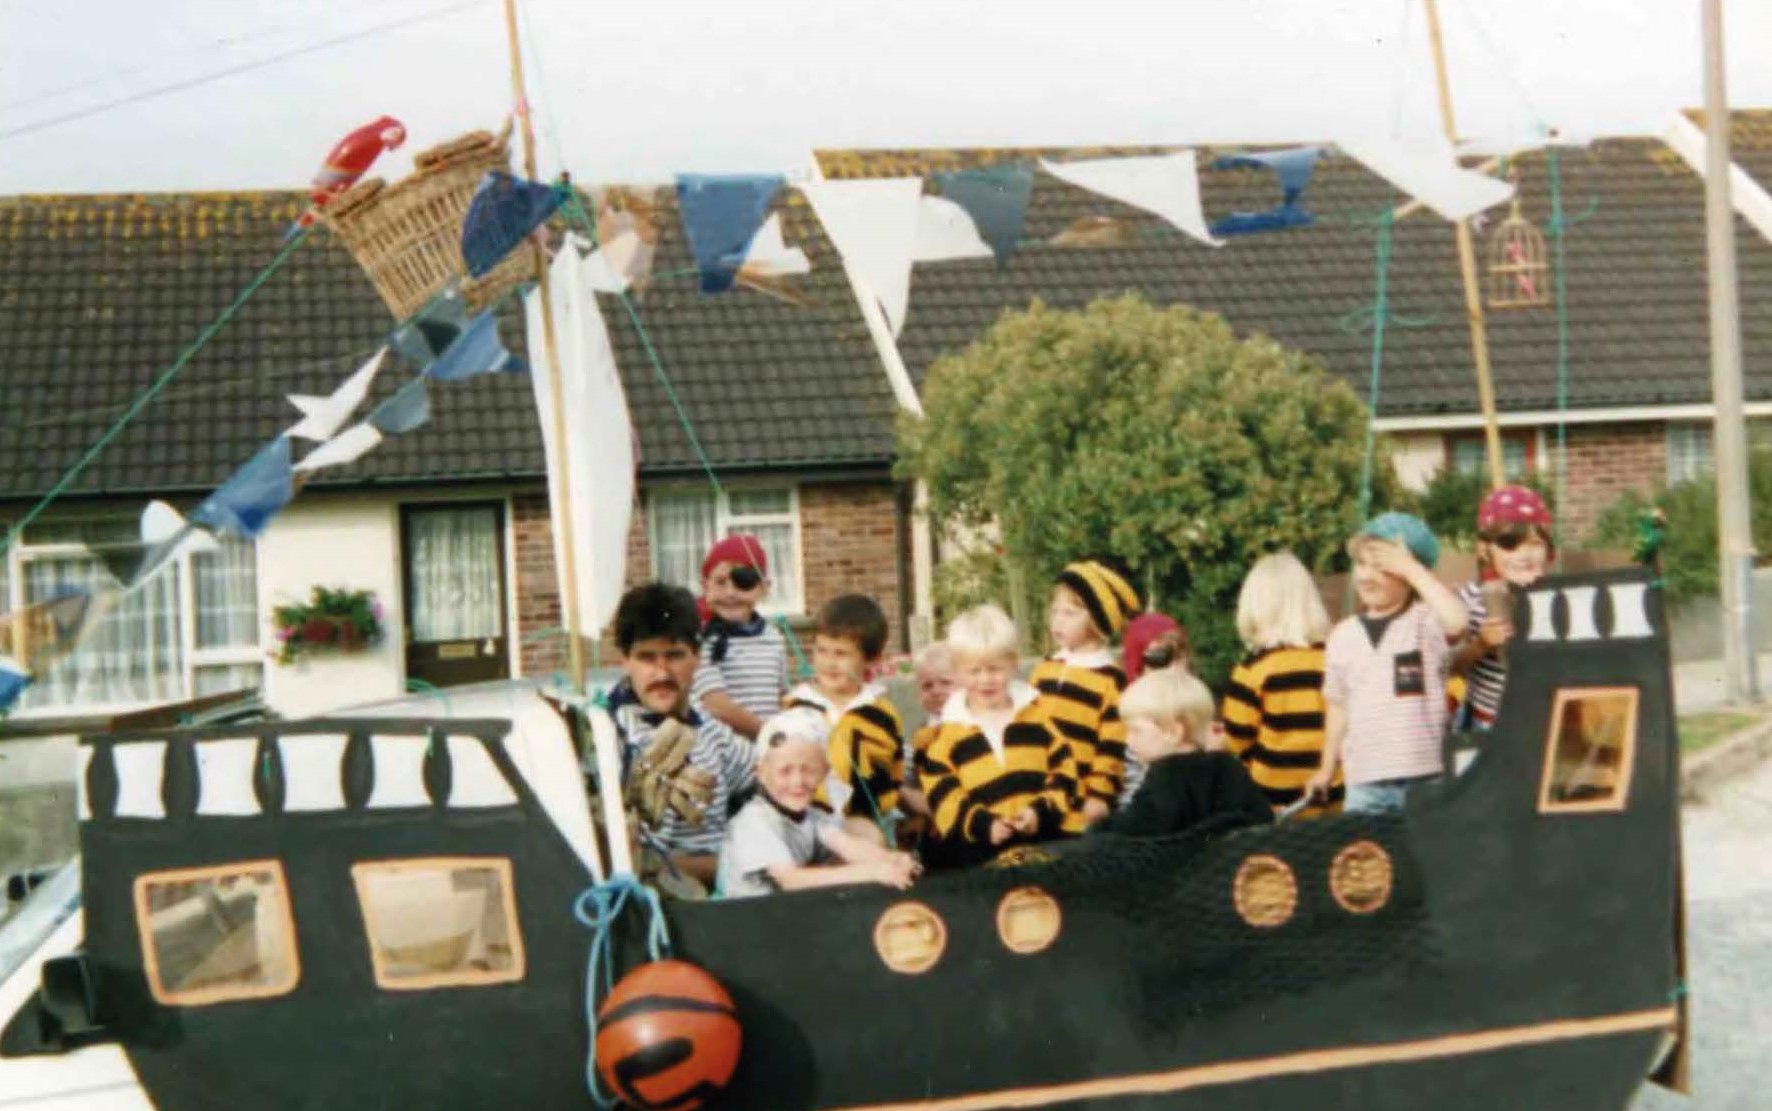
(1559, 228)
(599, 908)
(1380, 316)
(146, 396)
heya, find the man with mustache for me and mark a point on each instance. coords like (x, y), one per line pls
(682, 805)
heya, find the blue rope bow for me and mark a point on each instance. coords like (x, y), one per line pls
(599, 908)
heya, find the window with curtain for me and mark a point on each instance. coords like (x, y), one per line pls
(1689, 454)
(1470, 455)
(192, 629)
(454, 573)
(684, 523)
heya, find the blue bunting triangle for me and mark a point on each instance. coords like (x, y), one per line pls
(1293, 167)
(407, 409)
(997, 200)
(252, 495)
(476, 350)
(504, 210)
(721, 214)
(13, 681)
(433, 328)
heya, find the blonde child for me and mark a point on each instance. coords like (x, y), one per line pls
(1384, 670)
(1168, 715)
(780, 841)
(995, 772)
(934, 670)
(1514, 548)
(1079, 684)
(1273, 705)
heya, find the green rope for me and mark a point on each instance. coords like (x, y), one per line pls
(1380, 316)
(1559, 228)
(141, 402)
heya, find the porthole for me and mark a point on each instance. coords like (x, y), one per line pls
(910, 938)
(1028, 920)
(1265, 891)
(1360, 877)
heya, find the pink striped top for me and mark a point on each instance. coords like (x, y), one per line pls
(1394, 694)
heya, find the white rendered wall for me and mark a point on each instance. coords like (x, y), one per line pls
(353, 543)
(1418, 457)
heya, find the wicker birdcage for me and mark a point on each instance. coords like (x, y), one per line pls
(407, 236)
(1519, 276)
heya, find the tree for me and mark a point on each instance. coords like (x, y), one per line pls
(1153, 434)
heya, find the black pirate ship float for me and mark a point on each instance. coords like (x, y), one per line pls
(379, 911)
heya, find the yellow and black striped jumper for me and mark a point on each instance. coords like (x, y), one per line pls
(1273, 721)
(1080, 693)
(866, 748)
(973, 780)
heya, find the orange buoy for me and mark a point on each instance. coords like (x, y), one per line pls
(667, 1037)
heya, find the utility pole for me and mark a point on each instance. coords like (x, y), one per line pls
(1467, 264)
(1735, 535)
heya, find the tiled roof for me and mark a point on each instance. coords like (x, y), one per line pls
(98, 294)
(1638, 324)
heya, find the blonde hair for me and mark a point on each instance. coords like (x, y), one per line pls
(802, 724)
(983, 631)
(1170, 694)
(1279, 605)
(936, 656)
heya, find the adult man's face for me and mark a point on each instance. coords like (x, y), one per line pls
(660, 671)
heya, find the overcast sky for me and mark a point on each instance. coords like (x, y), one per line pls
(152, 95)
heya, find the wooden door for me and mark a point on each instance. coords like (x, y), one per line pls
(454, 570)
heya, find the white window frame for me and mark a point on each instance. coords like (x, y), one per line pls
(727, 522)
(1689, 433)
(194, 658)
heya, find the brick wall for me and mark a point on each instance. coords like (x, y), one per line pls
(1605, 460)
(848, 542)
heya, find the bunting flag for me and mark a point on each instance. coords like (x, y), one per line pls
(628, 233)
(246, 502)
(721, 213)
(597, 459)
(40, 633)
(1096, 231)
(945, 233)
(13, 681)
(165, 535)
(875, 227)
(347, 447)
(476, 350)
(503, 212)
(1165, 185)
(322, 417)
(770, 254)
(997, 200)
(409, 408)
(433, 328)
(1293, 167)
(1430, 174)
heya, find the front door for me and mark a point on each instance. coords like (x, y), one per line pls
(455, 593)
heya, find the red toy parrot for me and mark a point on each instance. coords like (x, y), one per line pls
(347, 161)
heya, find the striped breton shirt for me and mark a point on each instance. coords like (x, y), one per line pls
(973, 775)
(1393, 693)
(1487, 677)
(866, 750)
(717, 749)
(1273, 721)
(1080, 692)
(753, 668)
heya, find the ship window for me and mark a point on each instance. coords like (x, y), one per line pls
(1587, 760)
(210, 935)
(440, 921)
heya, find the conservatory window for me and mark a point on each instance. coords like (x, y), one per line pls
(683, 524)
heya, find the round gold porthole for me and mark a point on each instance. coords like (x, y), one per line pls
(1360, 877)
(910, 938)
(1028, 920)
(1266, 892)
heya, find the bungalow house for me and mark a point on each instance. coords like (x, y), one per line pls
(792, 403)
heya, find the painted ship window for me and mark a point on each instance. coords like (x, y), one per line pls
(1587, 761)
(440, 922)
(210, 935)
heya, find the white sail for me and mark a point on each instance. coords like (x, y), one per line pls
(596, 463)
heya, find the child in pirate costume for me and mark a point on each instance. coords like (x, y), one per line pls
(1079, 685)
(1514, 548)
(867, 736)
(996, 773)
(683, 769)
(744, 660)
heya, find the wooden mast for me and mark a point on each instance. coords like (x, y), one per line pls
(1467, 263)
(561, 512)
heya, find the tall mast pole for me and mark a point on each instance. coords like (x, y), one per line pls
(562, 511)
(1735, 534)
(1467, 263)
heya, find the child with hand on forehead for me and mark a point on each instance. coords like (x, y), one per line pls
(780, 841)
(1515, 547)
(744, 659)
(1079, 684)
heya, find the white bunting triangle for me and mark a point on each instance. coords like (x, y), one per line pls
(874, 227)
(771, 254)
(1166, 185)
(322, 417)
(1429, 173)
(945, 232)
(347, 447)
